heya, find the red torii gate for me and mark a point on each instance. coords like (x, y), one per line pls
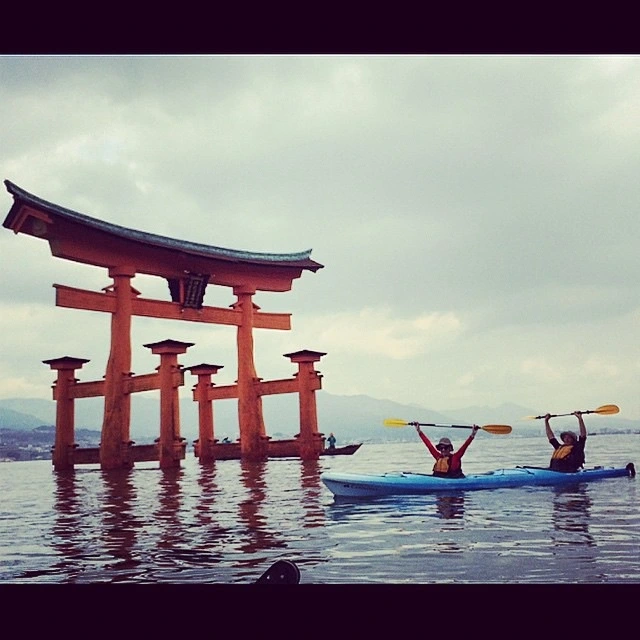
(188, 268)
(305, 383)
(170, 446)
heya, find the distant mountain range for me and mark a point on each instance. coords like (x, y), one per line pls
(356, 418)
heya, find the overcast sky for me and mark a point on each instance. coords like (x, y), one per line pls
(476, 216)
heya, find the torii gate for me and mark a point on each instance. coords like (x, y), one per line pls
(188, 268)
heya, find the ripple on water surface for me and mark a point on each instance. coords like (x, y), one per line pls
(228, 522)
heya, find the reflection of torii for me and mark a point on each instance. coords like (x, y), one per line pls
(126, 252)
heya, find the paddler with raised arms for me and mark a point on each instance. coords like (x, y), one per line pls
(448, 464)
(567, 457)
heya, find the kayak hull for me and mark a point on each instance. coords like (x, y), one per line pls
(366, 485)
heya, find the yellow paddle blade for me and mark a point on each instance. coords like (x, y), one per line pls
(395, 422)
(499, 429)
(607, 409)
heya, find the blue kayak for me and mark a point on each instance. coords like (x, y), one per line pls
(366, 485)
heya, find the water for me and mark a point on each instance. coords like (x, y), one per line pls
(227, 523)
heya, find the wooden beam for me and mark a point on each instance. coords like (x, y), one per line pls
(151, 381)
(144, 382)
(272, 387)
(73, 298)
(265, 388)
(87, 389)
(223, 392)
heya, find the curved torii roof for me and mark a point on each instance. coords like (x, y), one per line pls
(81, 238)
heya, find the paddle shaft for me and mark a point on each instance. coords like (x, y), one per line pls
(489, 428)
(559, 415)
(605, 410)
(449, 426)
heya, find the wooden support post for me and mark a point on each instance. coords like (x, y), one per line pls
(253, 438)
(116, 441)
(310, 440)
(171, 445)
(204, 445)
(65, 414)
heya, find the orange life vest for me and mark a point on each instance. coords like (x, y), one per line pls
(441, 465)
(562, 452)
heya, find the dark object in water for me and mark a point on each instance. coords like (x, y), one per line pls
(281, 572)
(347, 450)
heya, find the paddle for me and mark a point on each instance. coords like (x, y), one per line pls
(605, 410)
(499, 429)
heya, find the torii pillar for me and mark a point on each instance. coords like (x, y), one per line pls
(171, 445)
(310, 441)
(206, 438)
(65, 413)
(253, 436)
(115, 439)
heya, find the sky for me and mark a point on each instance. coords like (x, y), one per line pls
(476, 216)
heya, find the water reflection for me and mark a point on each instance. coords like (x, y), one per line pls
(210, 535)
(205, 507)
(67, 526)
(344, 510)
(119, 522)
(451, 507)
(258, 536)
(167, 513)
(571, 514)
(311, 499)
(53, 527)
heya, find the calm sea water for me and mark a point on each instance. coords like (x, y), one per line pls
(227, 523)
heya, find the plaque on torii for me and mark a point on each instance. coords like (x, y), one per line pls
(188, 268)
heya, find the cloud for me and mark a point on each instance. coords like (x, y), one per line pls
(376, 331)
(541, 369)
(476, 215)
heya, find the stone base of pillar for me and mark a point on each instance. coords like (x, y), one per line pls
(63, 460)
(256, 449)
(177, 453)
(310, 446)
(204, 450)
(119, 458)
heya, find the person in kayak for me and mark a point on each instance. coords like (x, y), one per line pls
(448, 464)
(568, 456)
